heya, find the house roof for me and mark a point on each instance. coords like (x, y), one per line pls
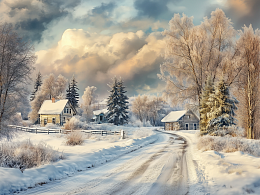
(52, 108)
(174, 116)
(98, 112)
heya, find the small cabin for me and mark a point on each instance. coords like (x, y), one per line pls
(56, 111)
(100, 116)
(181, 120)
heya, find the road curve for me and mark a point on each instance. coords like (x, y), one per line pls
(159, 168)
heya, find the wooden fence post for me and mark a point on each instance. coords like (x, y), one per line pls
(48, 131)
(36, 130)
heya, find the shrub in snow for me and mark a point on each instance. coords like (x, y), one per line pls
(233, 131)
(26, 123)
(52, 126)
(75, 138)
(141, 133)
(229, 144)
(25, 155)
(73, 124)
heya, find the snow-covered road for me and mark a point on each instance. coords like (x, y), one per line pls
(159, 168)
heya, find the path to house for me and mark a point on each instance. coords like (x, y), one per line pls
(158, 168)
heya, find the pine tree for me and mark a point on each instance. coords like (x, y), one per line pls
(117, 103)
(222, 107)
(37, 85)
(72, 93)
(204, 106)
(123, 117)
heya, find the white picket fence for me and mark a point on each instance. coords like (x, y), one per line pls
(48, 131)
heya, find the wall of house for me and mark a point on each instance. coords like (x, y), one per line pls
(173, 126)
(103, 116)
(49, 118)
(66, 116)
(190, 119)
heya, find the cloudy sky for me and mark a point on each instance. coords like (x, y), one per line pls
(98, 39)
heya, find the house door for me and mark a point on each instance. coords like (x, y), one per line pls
(195, 126)
(54, 120)
(45, 121)
(187, 126)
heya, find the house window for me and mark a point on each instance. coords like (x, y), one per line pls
(70, 110)
(54, 120)
(101, 118)
(64, 119)
(45, 121)
(187, 126)
(64, 110)
(195, 126)
(67, 110)
(188, 116)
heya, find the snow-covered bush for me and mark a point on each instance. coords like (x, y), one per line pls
(24, 155)
(233, 131)
(140, 133)
(52, 126)
(229, 144)
(26, 123)
(73, 124)
(75, 138)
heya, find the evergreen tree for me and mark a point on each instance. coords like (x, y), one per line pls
(117, 103)
(72, 93)
(37, 85)
(123, 117)
(204, 106)
(222, 107)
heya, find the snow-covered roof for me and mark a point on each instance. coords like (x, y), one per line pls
(98, 112)
(52, 108)
(174, 116)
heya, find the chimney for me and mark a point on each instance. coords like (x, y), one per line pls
(53, 100)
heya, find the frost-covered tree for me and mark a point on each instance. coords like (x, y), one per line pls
(89, 97)
(194, 53)
(60, 87)
(47, 87)
(72, 93)
(117, 103)
(149, 109)
(16, 60)
(222, 107)
(204, 105)
(248, 88)
(37, 85)
(140, 107)
(51, 87)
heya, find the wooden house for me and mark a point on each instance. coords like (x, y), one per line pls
(181, 120)
(100, 116)
(56, 112)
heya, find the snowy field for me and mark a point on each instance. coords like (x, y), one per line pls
(222, 173)
(95, 150)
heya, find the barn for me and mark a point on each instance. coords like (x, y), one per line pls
(181, 120)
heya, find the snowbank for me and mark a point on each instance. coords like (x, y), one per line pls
(221, 173)
(92, 153)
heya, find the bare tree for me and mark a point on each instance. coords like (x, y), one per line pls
(140, 107)
(194, 53)
(16, 60)
(155, 109)
(248, 85)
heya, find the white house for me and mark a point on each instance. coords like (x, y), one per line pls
(56, 112)
(183, 120)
